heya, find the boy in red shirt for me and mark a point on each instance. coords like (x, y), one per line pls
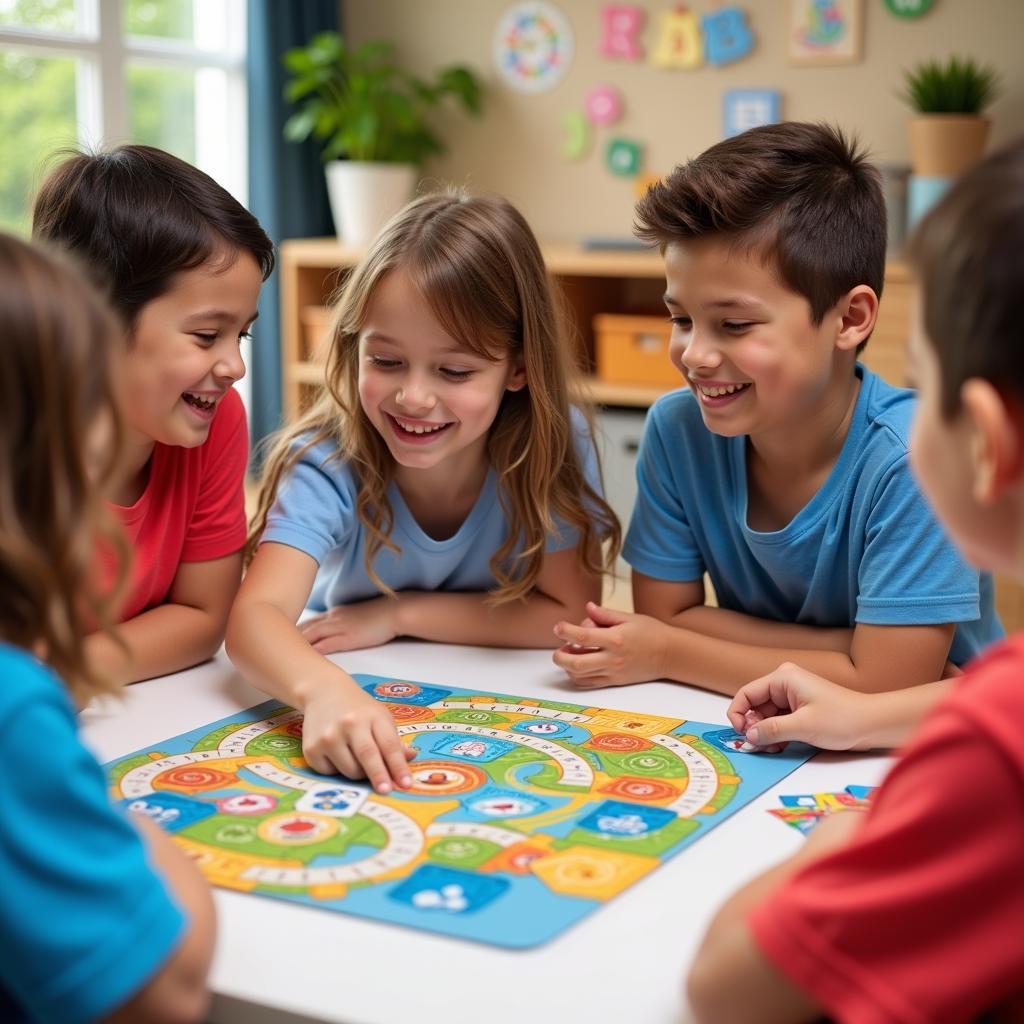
(912, 911)
(182, 262)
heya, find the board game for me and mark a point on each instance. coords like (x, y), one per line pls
(523, 817)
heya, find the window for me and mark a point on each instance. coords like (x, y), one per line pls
(169, 73)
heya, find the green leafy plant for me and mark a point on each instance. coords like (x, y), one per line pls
(363, 106)
(958, 86)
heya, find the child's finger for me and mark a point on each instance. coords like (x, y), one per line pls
(394, 752)
(580, 664)
(580, 635)
(365, 749)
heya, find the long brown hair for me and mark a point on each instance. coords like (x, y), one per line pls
(59, 340)
(478, 265)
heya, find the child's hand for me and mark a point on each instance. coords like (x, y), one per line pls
(347, 731)
(352, 626)
(611, 648)
(794, 704)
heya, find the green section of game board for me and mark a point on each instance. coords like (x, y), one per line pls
(481, 718)
(239, 834)
(722, 764)
(122, 768)
(654, 844)
(654, 763)
(550, 777)
(212, 740)
(462, 851)
(275, 744)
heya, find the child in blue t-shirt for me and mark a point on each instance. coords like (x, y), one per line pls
(99, 915)
(444, 487)
(782, 471)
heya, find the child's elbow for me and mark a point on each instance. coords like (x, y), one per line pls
(711, 994)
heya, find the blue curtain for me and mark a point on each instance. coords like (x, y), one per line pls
(286, 181)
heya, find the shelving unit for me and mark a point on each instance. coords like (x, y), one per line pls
(592, 281)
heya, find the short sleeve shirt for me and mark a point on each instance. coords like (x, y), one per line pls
(315, 512)
(921, 917)
(866, 548)
(192, 510)
(85, 922)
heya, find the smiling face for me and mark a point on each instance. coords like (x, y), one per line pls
(184, 352)
(744, 341)
(432, 399)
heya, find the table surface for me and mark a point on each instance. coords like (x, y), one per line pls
(292, 964)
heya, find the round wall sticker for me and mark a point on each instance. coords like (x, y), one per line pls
(533, 46)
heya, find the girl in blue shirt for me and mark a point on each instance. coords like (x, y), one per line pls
(99, 917)
(444, 486)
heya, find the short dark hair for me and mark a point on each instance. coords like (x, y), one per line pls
(967, 253)
(803, 195)
(135, 216)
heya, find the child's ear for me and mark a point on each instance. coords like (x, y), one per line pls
(997, 440)
(858, 310)
(516, 380)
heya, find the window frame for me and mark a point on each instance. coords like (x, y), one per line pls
(103, 53)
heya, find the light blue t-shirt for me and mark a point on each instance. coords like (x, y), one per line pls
(84, 920)
(315, 511)
(866, 548)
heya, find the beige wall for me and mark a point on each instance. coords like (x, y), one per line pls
(516, 147)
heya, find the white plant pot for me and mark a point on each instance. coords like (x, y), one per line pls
(364, 196)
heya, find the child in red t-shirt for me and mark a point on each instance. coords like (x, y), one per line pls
(182, 262)
(912, 911)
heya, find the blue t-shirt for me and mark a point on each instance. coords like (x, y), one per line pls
(84, 920)
(866, 548)
(315, 511)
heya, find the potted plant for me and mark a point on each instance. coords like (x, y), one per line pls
(371, 116)
(948, 133)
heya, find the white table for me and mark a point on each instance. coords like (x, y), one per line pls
(284, 962)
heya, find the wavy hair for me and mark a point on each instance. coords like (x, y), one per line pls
(480, 269)
(59, 338)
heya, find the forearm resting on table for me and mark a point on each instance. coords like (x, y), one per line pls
(890, 718)
(268, 649)
(725, 665)
(165, 639)
(470, 619)
(725, 624)
(731, 981)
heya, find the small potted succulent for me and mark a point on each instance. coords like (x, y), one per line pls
(372, 117)
(948, 131)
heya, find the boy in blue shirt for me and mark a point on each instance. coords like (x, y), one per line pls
(782, 472)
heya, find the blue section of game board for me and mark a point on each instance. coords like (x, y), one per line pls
(499, 907)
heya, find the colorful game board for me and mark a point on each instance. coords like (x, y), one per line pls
(524, 815)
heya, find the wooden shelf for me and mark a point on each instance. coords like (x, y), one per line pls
(593, 281)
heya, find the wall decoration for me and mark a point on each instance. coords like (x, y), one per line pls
(642, 182)
(533, 46)
(576, 141)
(679, 43)
(622, 24)
(727, 37)
(824, 31)
(624, 157)
(908, 8)
(603, 105)
(749, 108)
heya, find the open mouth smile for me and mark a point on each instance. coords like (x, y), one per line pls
(201, 406)
(718, 394)
(417, 431)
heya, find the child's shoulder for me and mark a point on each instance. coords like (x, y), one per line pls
(888, 409)
(27, 681)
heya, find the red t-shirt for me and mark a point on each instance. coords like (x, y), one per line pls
(192, 510)
(921, 917)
